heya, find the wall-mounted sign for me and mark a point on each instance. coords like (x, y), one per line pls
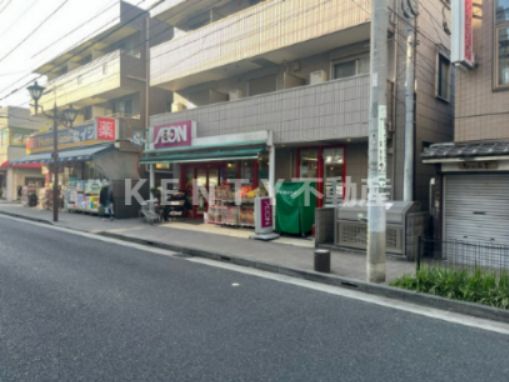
(106, 130)
(93, 132)
(173, 134)
(462, 39)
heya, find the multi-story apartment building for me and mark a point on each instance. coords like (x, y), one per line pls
(287, 82)
(104, 77)
(105, 74)
(16, 124)
(471, 198)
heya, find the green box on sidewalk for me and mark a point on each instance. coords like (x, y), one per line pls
(295, 207)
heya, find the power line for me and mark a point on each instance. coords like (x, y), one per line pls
(111, 5)
(15, 20)
(33, 31)
(39, 76)
(7, 3)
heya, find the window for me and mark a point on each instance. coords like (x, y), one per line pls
(87, 113)
(308, 163)
(333, 159)
(85, 60)
(123, 107)
(502, 11)
(443, 81)
(501, 60)
(352, 67)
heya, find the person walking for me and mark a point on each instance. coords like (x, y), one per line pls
(106, 200)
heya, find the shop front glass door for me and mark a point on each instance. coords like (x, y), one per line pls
(333, 159)
(201, 182)
(309, 163)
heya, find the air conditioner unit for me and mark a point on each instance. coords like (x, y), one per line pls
(317, 77)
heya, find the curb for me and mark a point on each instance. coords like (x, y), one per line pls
(19, 216)
(461, 307)
(437, 302)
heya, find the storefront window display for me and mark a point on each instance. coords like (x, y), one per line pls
(221, 176)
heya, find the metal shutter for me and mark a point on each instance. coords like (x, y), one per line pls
(476, 208)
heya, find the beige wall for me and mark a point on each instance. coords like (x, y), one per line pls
(252, 32)
(278, 77)
(434, 117)
(481, 112)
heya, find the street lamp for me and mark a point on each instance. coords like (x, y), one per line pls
(67, 117)
(36, 92)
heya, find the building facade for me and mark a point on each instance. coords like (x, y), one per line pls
(471, 198)
(105, 78)
(295, 75)
(16, 125)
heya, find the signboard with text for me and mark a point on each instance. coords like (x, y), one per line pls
(263, 216)
(174, 134)
(92, 132)
(462, 49)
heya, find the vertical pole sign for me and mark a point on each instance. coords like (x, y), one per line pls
(462, 39)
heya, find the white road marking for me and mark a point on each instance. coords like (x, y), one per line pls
(455, 318)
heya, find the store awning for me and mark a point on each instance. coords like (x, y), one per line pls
(22, 166)
(81, 154)
(202, 156)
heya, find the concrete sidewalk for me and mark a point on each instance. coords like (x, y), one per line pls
(222, 242)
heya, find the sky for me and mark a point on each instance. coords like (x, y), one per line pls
(18, 18)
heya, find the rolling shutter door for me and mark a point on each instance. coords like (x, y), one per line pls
(476, 208)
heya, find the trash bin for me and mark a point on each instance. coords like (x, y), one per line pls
(295, 207)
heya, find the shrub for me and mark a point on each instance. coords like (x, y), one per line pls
(480, 287)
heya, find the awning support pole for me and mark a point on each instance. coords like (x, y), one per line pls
(152, 180)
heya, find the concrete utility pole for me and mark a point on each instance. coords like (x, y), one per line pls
(410, 11)
(56, 169)
(377, 155)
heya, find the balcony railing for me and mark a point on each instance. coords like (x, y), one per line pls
(335, 109)
(261, 29)
(94, 79)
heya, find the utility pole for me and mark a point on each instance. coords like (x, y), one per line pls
(377, 141)
(56, 198)
(409, 11)
(152, 182)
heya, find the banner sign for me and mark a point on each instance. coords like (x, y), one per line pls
(263, 216)
(173, 134)
(462, 41)
(92, 132)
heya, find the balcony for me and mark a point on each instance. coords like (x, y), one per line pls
(113, 75)
(332, 110)
(278, 31)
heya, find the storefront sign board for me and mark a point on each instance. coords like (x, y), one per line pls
(174, 134)
(96, 131)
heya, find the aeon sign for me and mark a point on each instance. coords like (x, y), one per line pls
(173, 134)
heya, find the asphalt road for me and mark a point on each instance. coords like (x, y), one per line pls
(78, 309)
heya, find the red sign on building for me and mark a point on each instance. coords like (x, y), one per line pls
(106, 129)
(469, 35)
(462, 42)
